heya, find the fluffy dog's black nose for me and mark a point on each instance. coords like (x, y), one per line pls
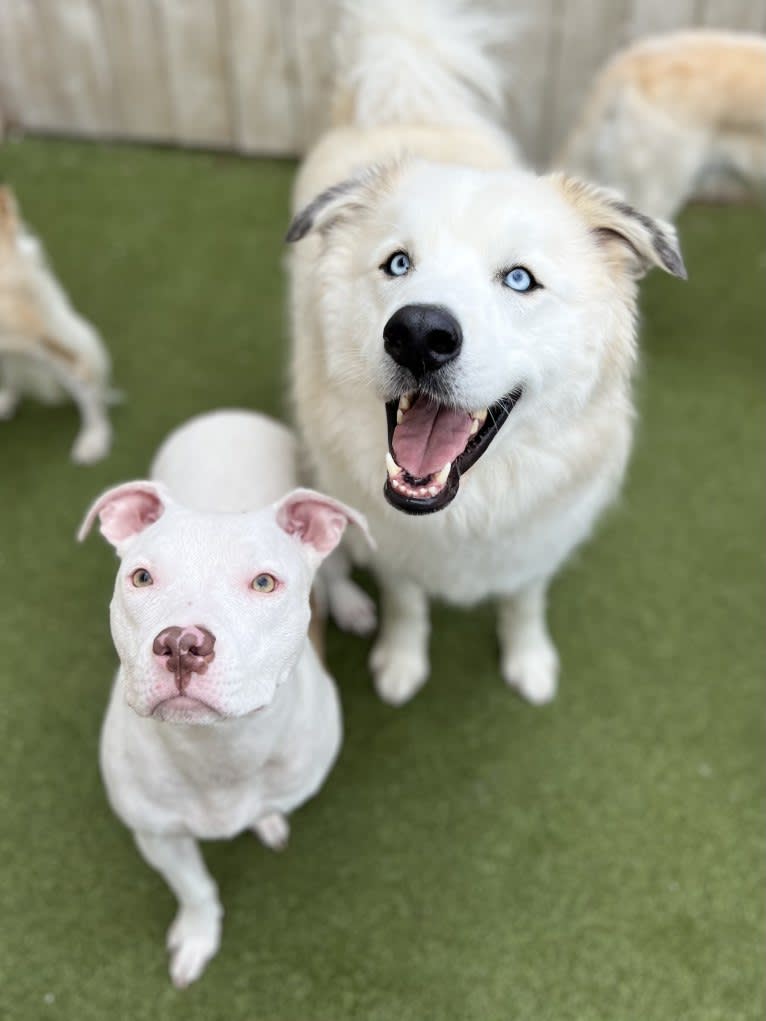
(422, 338)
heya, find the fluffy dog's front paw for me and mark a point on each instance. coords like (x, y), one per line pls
(92, 444)
(398, 673)
(193, 939)
(351, 608)
(273, 830)
(533, 672)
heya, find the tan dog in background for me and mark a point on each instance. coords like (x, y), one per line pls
(46, 348)
(674, 114)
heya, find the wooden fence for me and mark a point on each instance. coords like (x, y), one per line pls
(254, 75)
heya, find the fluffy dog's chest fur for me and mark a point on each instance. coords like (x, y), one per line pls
(518, 514)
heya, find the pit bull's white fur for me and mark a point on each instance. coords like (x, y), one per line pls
(415, 165)
(254, 734)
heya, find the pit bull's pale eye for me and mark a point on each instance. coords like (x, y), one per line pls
(264, 583)
(520, 279)
(397, 265)
(141, 578)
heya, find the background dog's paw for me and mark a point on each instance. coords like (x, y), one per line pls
(193, 938)
(92, 444)
(9, 401)
(351, 608)
(398, 673)
(533, 672)
(273, 830)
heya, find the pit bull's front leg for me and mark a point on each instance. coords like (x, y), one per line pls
(195, 935)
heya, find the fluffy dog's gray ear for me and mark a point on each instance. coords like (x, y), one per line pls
(324, 209)
(643, 240)
(348, 198)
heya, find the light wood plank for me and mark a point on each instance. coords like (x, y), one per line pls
(263, 89)
(197, 73)
(526, 44)
(311, 30)
(650, 17)
(11, 91)
(590, 32)
(32, 75)
(743, 15)
(134, 45)
(80, 79)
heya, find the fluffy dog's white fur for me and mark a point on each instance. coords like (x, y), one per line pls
(673, 114)
(47, 349)
(416, 163)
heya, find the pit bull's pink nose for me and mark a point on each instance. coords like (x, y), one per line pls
(186, 651)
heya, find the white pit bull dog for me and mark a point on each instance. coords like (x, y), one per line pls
(222, 717)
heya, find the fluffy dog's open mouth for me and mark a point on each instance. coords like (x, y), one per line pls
(431, 445)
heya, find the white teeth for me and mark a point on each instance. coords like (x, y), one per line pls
(399, 416)
(391, 466)
(443, 475)
(475, 427)
(480, 417)
(433, 490)
(404, 403)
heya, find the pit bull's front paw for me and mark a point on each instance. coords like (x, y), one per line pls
(193, 939)
(273, 830)
(398, 673)
(92, 444)
(351, 607)
(533, 672)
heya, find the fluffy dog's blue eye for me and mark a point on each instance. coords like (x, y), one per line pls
(519, 279)
(397, 265)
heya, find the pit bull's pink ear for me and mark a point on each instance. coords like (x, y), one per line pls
(318, 521)
(125, 511)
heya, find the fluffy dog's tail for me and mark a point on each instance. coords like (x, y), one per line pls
(415, 62)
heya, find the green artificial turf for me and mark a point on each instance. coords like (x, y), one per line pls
(471, 858)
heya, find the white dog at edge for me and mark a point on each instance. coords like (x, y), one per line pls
(464, 340)
(222, 717)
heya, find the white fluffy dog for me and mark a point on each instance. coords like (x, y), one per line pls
(46, 348)
(464, 341)
(671, 111)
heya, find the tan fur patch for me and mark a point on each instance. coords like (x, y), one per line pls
(716, 79)
(317, 629)
(9, 218)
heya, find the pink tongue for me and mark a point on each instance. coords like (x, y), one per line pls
(429, 437)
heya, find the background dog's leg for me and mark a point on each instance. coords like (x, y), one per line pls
(528, 657)
(399, 660)
(195, 935)
(95, 436)
(9, 394)
(9, 400)
(350, 606)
